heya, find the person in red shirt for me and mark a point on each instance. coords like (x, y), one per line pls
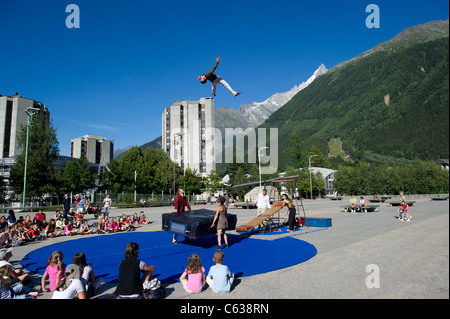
(39, 219)
(180, 203)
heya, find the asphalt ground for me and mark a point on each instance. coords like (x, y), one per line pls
(362, 256)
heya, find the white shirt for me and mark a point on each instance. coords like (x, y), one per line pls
(107, 202)
(263, 201)
(76, 286)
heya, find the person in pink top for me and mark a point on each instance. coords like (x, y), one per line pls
(54, 272)
(114, 226)
(193, 278)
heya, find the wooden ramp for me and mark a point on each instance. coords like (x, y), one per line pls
(260, 218)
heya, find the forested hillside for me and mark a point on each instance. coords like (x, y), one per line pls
(388, 105)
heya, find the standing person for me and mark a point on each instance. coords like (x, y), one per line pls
(400, 211)
(106, 205)
(130, 285)
(193, 278)
(262, 202)
(65, 205)
(291, 211)
(11, 219)
(181, 203)
(81, 205)
(222, 223)
(214, 79)
(404, 208)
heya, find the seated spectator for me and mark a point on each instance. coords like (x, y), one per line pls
(103, 226)
(87, 274)
(54, 271)
(219, 277)
(142, 219)
(114, 226)
(84, 228)
(69, 229)
(39, 219)
(51, 230)
(130, 284)
(27, 223)
(17, 275)
(5, 237)
(59, 224)
(34, 233)
(71, 285)
(3, 222)
(70, 215)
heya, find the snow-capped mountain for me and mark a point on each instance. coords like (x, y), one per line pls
(255, 113)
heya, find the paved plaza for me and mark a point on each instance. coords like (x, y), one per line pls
(411, 258)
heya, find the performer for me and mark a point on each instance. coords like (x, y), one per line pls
(291, 211)
(180, 203)
(215, 80)
(262, 202)
(222, 223)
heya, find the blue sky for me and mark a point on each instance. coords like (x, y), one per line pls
(130, 59)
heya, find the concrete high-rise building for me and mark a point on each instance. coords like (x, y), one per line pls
(12, 118)
(96, 149)
(187, 134)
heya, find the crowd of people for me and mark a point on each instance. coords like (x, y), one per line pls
(14, 232)
(135, 280)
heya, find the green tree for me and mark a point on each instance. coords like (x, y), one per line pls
(190, 181)
(213, 181)
(153, 170)
(78, 177)
(319, 160)
(295, 152)
(43, 150)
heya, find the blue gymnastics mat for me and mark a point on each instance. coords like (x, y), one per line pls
(246, 256)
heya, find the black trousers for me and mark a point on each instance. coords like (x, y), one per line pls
(291, 218)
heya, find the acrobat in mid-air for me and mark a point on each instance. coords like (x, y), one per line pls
(215, 80)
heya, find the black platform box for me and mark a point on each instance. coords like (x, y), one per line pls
(193, 224)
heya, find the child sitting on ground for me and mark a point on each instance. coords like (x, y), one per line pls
(219, 277)
(54, 272)
(34, 233)
(135, 219)
(142, 219)
(103, 226)
(193, 278)
(114, 226)
(71, 285)
(68, 229)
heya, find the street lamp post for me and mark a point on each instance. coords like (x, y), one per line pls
(174, 160)
(30, 112)
(259, 165)
(135, 178)
(310, 178)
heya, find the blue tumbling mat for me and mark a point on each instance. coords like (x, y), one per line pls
(246, 256)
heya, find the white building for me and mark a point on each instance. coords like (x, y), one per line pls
(328, 178)
(95, 148)
(188, 134)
